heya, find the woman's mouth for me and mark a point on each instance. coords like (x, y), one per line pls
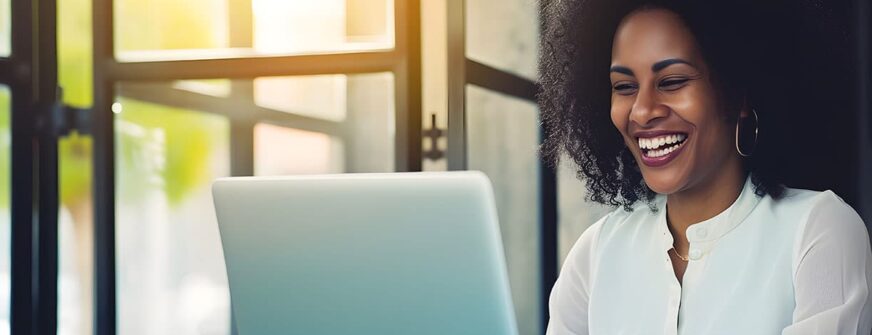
(660, 150)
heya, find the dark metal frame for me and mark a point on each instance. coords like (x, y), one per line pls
(31, 73)
(863, 31)
(462, 72)
(404, 61)
(5, 69)
(456, 35)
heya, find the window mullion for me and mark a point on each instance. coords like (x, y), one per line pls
(250, 67)
(500, 81)
(407, 87)
(105, 313)
(456, 152)
(241, 148)
(32, 70)
(5, 69)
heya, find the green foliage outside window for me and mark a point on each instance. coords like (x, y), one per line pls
(189, 137)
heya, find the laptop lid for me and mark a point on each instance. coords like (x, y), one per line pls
(400, 253)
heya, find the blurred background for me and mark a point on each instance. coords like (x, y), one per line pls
(116, 115)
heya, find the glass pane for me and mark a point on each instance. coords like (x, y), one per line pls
(76, 219)
(74, 42)
(502, 140)
(218, 28)
(358, 111)
(5, 28)
(575, 214)
(75, 236)
(5, 210)
(171, 277)
(503, 34)
(284, 151)
(322, 97)
(213, 87)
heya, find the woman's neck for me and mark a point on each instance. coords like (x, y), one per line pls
(704, 200)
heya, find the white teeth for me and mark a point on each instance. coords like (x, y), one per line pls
(656, 142)
(661, 152)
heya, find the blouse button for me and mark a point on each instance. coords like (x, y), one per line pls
(695, 254)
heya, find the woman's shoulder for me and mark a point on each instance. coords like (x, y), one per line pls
(813, 205)
(824, 221)
(828, 209)
(828, 228)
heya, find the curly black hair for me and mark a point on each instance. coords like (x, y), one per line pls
(758, 51)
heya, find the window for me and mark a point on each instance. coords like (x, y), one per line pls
(237, 89)
(493, 126)
(218, 88)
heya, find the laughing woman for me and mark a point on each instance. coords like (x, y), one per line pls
(660, 106)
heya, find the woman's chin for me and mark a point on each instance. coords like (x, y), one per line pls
(663, 183)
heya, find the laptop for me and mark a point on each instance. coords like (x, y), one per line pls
(364, 254)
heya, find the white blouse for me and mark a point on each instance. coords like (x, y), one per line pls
(797, 265)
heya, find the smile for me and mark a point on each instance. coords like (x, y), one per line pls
(659, 150)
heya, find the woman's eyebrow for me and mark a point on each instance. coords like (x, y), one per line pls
(654, 68)
(667, 62)
(621, 69)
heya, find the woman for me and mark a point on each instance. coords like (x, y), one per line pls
(668, 124)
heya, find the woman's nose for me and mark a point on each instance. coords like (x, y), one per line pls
(647, 107)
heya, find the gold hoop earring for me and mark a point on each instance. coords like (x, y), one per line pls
(756, 130)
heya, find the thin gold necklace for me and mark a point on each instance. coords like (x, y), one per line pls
(686, 259)
(669, 225)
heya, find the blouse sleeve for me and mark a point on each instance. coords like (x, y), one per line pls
(832, 272)
(571, 292)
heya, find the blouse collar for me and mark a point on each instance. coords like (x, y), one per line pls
(711, 230)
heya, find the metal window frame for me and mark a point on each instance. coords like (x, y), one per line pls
(31, 73)
(404, 61)
(5, 69)
(463, 71)
(235, 109)
(863, 33)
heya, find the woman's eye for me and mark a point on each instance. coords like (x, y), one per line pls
(624, 88)
(672, 84)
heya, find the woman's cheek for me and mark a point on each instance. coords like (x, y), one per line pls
(619, 114)
(619, 122)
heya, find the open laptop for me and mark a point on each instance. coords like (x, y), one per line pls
(364, 254)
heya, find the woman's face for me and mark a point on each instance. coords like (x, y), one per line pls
(664, 103)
